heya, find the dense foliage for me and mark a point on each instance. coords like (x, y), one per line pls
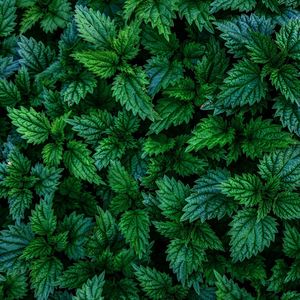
(149, 149)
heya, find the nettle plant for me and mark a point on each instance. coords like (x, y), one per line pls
(149, 149)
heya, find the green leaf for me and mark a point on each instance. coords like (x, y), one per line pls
(171, 112)
(243, 85)
(92, 289)
(247, 189)
(31, 16)
(92, 126)
(198, 13)
(47, 179)
(42, 220)
(58, 15)
(13, 241)
(32, 125)
(78, 228)
(288, 39)
(135, 226)
(157, 285)
(52, 154)
(130, 90)
(75, 90)
(206, 201)
(237, 32)
(35, 55)
(38, 247)
(158, 144)
(261, 48)
(19, 200)
(286, 80)
(289, 114)
(44, 274)
(156, 44)
(171, 196)
(77, 159)
(287, 205)
(9, 93)
(7, 17)
(159, 13)
(102, 63)
(249, 235)
(291, 242)
(284, 164)
(109, 150)
(120, 180)
(126, 44)
(95, 27)
(229, 290)
(241, 5)
(262, 136)
(162, 73)
(211, 132)
(185, 258)
(76, 275)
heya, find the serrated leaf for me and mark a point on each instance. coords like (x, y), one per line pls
(38, 247)
(44, 274)
(162, 73)
(286, 79)
(102, 63)
(241, 5)
(247, 189)
(95, 27)
(287, 205)
(32, 125)
(75, 90)
(249, 235)
(42, 220)
(79, 162)
(52, 154)
(289, 114)
(130, 91)
(35, 55)
(172, 112)
(120, 180)
(211, 132)
(184, 257)
(288, 39)
(284, 164)
(92, 289)
(13, 241)
(229, 290)
(243, 85)
(206, 201)
(291, 242)
(135, 226)
(7, 17)
(171, 196)
(9, 93)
